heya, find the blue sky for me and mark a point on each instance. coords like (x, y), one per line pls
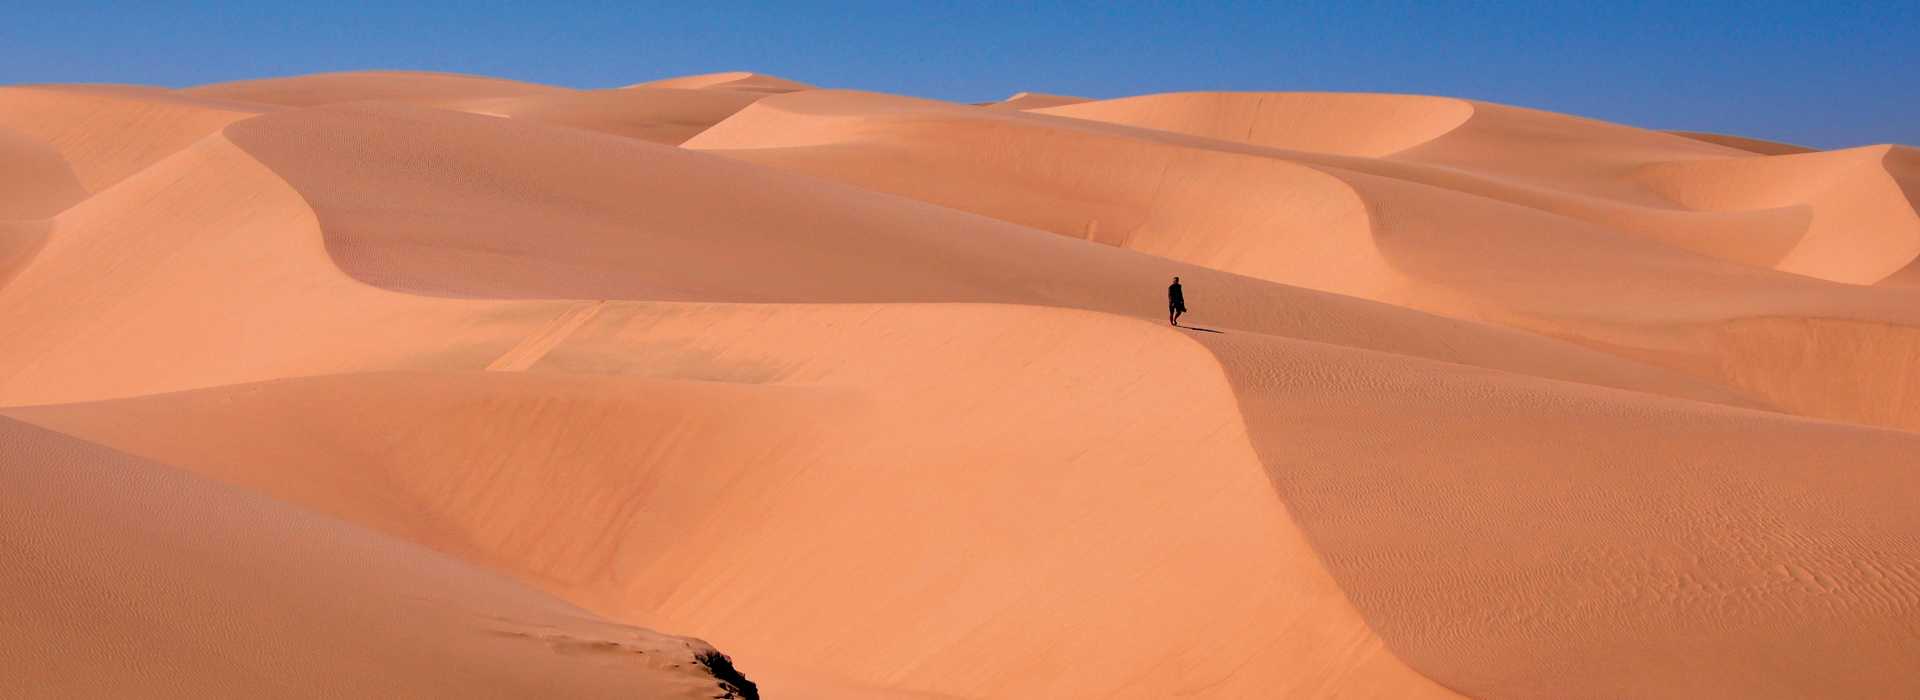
(1820, 74)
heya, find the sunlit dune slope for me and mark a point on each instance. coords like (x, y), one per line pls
(128, 578)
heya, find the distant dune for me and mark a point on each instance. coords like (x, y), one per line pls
(404, 86)
(411, 384)
(661, 115)
(1762, 147)
(1034, 100)
(739, 81)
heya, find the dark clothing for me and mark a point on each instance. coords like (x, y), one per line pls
(1175, 300)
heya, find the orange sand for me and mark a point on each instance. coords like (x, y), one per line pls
(405, 384)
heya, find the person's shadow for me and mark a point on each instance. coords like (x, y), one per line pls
(1202, 330)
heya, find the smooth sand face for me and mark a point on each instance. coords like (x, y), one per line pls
(342, 384)
(38, 182)
(128, 578)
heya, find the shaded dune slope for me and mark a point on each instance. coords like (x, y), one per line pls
(19, 241)
(38, 183)
(1652, 528)
(127, 577)
(1751, 145)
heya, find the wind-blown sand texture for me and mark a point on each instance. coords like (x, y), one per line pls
(409, 384)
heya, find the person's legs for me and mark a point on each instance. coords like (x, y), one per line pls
(1173, 314)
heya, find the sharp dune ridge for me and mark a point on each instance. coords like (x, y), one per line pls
(402, 384)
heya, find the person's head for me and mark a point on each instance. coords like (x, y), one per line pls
(1176, 279)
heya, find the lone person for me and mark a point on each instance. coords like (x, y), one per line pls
(1176, 302)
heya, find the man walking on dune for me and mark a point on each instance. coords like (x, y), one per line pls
(1176, 302)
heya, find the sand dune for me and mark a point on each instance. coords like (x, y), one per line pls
(404, 86)
(737, 81)
(1034, 100)
(661, 115)
(1861, 228)
(38, 182)
(628, 493)
(1565, 165)
(1465, 553)
(433, 233)
(129, 578)
(19, 241)
(157, 283)
(342, 384)
(108, 134)
(1397, 230)
(1751, 145)
(1350, 124)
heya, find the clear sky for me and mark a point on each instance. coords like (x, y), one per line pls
(1824, 74)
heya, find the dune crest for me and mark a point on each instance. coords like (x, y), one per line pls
(661, 115)
(107, 134)
(356, 86)
(1035, 100)
(1751, 145)
(1344, 123)
(738, 81)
